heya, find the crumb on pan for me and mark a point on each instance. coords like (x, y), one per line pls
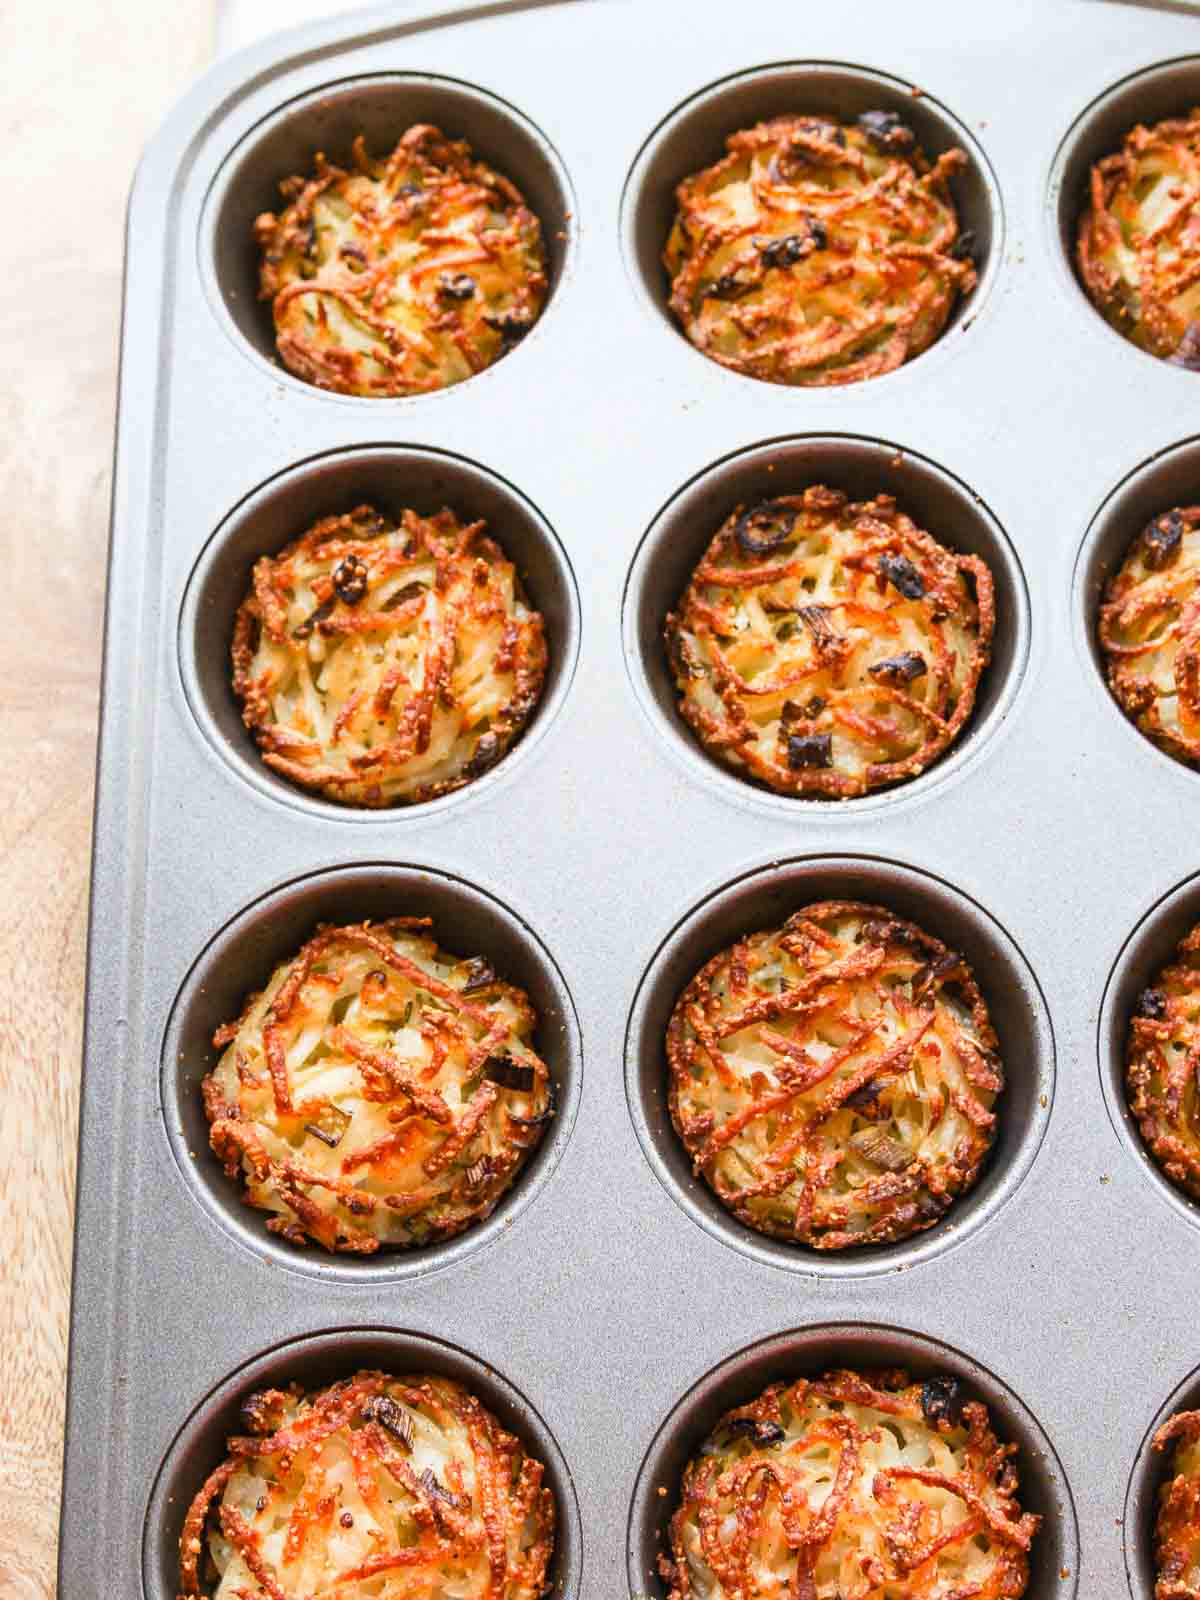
(1177, 1529)
(378, 1092)
(403, 275)
(382, 663)
(852, 1483)
(827, 647)
(1162, 1058)
(405, 1482)
(834, 1079)
(1150, 632)
(1138, 247)
(818, 252)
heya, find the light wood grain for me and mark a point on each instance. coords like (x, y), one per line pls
(84, 88)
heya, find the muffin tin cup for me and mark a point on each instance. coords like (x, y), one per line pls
(607, 856)
(765, 898)
(241, 957)
(391, 478)
(693, 137)
(809, 1351)
(323, 1358)
(380, 106)
(935, 499)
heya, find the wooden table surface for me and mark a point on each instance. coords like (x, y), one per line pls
(84, 88)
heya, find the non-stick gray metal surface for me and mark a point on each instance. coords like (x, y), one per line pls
(610, 1310)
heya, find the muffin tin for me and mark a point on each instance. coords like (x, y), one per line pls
(608, 1312)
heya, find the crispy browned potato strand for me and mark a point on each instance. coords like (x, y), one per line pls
(379, 1091)
(1177, 1529)
(1139, 239)
(383, 663)
(1150, 632)
(834, 1079)
(828, 648)
(818, 252)
(1162, 1059)
(375, 1486)
(404, 275)
(864, 1484)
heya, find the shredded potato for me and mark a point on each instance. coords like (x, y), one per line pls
(834, 1079)
(405, 275)
(377, 1488)
(1139, 239)
(382, 663)
(378, 1091)
(1150, 633)
(1177, 1531)
(853, 1484)
(1161, 1058)
(818, 252)
(829, 648)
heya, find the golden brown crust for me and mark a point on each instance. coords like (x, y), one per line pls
(830, 648)
(818, 252)
(1177, 1529)
(405, 275)
(382, 663)
(833, 1079)
(378, 1092)
(1138, 246)
(922, 1504)
(1162, 1065)
(375, 1475)
(1150, 633)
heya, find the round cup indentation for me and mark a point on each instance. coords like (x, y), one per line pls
(935, 499)
(1169, 479)
(1151, 944)
(321, 1358)
(1054, 1559)
(390, 477)
(763, 898)
(380, 107)
(241, 956)
(693, 136)
(1151, 1470)
(1169, 88)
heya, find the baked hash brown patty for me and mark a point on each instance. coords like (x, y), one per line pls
(383, 663)
(1162, 1058)
(1150, 633)
(828, 647)
(392, 1488)
(862, 1484)
(1177, 1530)
(378, 1092)
(405, 275)
(1139, 239)
(833, 1079)
(818, 252)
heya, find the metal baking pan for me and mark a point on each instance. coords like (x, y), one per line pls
(609, 1310)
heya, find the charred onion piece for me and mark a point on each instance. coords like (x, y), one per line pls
(902, 575)
(901, 669)
(809, 750)
(886, 131)
(392, 1416)
(509, 1074)
(765, 527)
(1162, 540)
(942, 1402)
(350, 579)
